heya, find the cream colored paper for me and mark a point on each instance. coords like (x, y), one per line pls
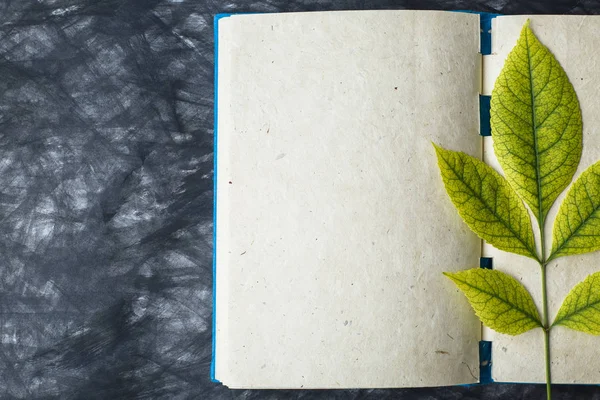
(333, 226)
(574, 40)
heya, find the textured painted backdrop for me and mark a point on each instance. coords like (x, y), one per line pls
(106, 122)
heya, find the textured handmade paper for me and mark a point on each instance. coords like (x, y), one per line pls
(333, 227)
(575, 358)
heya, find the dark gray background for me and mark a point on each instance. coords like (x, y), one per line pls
(106, 131)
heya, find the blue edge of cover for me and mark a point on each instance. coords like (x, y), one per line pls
(485, 347)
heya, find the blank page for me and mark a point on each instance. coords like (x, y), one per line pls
(333, 226)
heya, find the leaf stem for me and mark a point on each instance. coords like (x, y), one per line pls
(545, 322)
(546, 329)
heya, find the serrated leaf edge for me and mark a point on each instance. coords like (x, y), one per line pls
(559, 322)
(534, 318)
(532, 250)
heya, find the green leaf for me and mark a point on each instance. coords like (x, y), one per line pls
(577, 225)
(486, 202)
(536, 124)
(499, 300)
(581, 309)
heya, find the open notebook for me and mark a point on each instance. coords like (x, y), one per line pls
(332, 223)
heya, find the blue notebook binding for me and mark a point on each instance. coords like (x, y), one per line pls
(485, 22)
(485, 347)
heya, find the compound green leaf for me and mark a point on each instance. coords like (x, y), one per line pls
(581, 309)
(577, 225)
(536, 124)
(499, 300)
(486, 202)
